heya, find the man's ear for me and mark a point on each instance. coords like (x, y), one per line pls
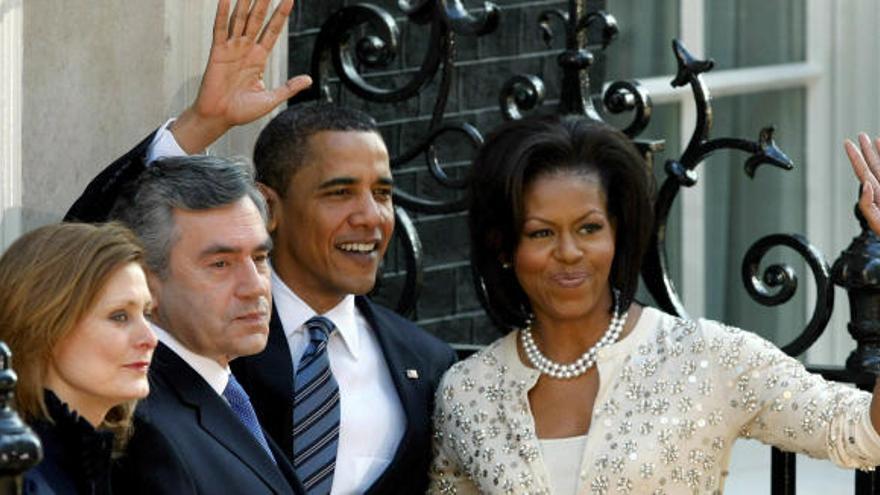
(273, 202)
(155, 285)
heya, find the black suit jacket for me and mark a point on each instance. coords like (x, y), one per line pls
(188, 441)
(268, 379)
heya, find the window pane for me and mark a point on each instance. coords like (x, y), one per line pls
(740, 210)
(643, 47)
(743, 33)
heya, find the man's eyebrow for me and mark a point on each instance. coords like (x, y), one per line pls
(338, 181)
(349, 181)
(225, 249)
(218, 249)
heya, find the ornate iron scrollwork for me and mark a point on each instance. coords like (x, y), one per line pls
(783, 279)
(336, 53)
(406, 231)
(425, 205)
(522, 92)
(681, 172)
(628, 96)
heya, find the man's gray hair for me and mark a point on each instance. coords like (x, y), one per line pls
(188, 183)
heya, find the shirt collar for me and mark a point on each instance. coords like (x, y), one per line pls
(217, 376)
(294, 313)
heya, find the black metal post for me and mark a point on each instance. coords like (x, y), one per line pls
(783, 475)
(20, 447)
(858, 271)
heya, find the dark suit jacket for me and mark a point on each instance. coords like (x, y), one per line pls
(188, 441)
(268, 379)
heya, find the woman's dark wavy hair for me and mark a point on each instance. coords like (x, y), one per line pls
(516, 154)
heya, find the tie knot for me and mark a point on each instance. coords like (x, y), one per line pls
(234, 393)
(320, 328)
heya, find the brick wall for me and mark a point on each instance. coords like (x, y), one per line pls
(448, 305)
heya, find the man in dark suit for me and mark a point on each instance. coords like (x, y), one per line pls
(325, 173)
(203, 225)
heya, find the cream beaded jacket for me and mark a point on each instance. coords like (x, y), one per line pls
(674, 395)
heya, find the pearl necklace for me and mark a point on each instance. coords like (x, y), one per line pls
(582, 364)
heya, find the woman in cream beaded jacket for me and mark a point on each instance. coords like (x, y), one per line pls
(591, 393)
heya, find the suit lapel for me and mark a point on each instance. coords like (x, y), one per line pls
(268, 379)
(400, 362)
(216, 418)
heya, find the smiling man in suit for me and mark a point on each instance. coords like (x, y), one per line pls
(362, 422)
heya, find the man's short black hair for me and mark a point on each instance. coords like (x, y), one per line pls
(282, 146)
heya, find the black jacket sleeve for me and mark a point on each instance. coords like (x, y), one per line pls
(95, 203)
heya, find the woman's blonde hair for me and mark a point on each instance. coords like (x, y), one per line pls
(49, 279)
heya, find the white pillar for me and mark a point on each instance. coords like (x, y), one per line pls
(693, 208)
(10, 120)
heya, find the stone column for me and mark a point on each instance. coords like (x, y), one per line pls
(10, 119)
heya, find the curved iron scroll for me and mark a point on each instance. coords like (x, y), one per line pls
(425, 205)
(521, 93)
(407, 235)
(412, 248)
(343, 51)
(628, 96)
(681, 172)
(783, 279)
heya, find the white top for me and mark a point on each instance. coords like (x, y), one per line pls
(372, 420)
(673, 397)
(217, 376)
(563, 457)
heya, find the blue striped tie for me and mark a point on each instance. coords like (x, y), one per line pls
(315, 412)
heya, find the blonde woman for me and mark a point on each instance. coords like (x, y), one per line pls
(74, 304)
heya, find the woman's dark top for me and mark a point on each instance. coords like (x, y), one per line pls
(76, 456)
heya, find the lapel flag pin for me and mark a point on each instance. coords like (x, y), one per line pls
(412, 374)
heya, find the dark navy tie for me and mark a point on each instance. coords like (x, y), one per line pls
(315, 412)
(241, 406)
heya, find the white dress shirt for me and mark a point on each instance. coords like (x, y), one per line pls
(217, 376)
(163, 144)
(372, 420)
